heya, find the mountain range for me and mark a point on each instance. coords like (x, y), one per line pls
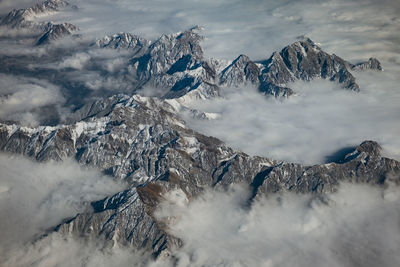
(144, 141)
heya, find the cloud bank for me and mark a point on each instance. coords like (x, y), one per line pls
(37, 196)
(310, 126)
(354, 29)
(356, 226)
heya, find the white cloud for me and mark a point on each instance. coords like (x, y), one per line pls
(37, 196)
(311, 126)
(354, 29)
(20, 96)
(255, 27)
(356, 226)
(77, 61)
(56, 250)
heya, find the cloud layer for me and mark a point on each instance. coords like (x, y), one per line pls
(356, 226)
(310, 126)
(354, 29)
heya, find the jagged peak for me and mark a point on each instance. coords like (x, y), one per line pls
(168, 49)
(371, 64)
(46, 6)
(306, 40)
(304, 46)
(56, 31)
(366, 148)
(122, 40)
(192, 35)
(241, 59)
(54, 3)
(192, 30)
(303, 60)
(372, 148)
(241, 71)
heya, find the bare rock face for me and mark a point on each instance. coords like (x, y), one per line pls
(176, 62)
(175, 65)
(363, 165)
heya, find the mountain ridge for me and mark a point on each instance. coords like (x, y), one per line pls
(144, 142)
(184, 70)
